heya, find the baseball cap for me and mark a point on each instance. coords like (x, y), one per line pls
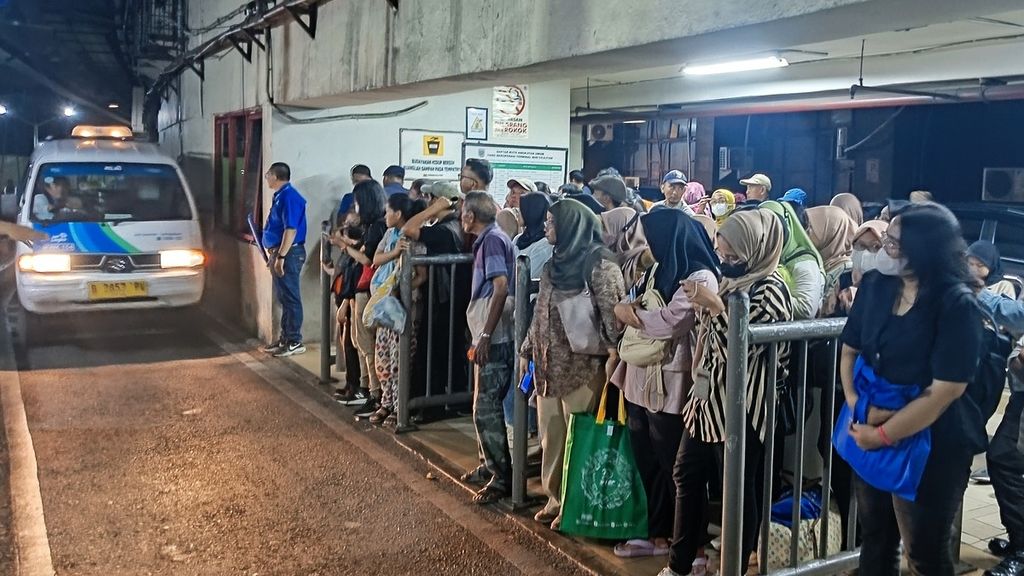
(443, 189)
(395, 170)
(523, 183)
(758, 180)
(612, 186)
(674, 177)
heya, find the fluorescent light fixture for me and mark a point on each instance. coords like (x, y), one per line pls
(181, 258)
(761, 63)
(45, 263)
(69, 111)
(3, 110)
(634, 121)
(113, 105)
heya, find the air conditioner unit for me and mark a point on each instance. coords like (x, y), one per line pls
(739, 160)
(1003, 185)
(600, 132)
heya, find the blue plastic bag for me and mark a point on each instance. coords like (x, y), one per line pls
(894, 469)
(810, 507)
(388, 313)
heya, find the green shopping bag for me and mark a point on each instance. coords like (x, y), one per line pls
(602, 493)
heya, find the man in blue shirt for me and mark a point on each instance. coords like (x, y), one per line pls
(284, 237)
(394, 179)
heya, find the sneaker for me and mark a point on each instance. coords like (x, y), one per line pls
(981, 476)
(368, 409)
(291, 350)
(273, 348)
(1012, 565)
(351, 398)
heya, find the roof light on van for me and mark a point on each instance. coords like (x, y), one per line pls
(87, 131)
(182, 258)
(45, 263)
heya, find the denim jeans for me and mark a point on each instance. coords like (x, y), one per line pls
(924, 525)
(289, 295)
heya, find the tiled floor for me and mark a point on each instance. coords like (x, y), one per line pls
(453, 441)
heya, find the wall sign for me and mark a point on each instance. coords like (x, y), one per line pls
(534, 163)
(476, 123)
(430, 154)
(511, 108)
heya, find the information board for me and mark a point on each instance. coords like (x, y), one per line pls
(534, 163)
(430, 154)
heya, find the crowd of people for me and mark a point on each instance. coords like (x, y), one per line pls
(654, 281)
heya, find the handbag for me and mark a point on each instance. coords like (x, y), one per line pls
(602, 493)
(635, 348)
(581, 324)
(895, 469)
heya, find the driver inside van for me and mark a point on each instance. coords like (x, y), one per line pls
(55, 197)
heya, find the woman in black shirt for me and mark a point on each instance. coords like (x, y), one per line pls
(913, 323)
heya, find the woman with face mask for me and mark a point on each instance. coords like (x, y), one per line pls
(723, 202)
(867, 242)
(655, 390)
(750, 248)
(910, 345)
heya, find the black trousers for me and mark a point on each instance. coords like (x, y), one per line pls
(1006, 468)
(924, 525)
(352, 369)
(696, 463)
(655, 437)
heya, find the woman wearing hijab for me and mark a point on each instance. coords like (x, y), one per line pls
(802, 267)
(723, 202)
(565, 381)
(532, 242)
(910, 346)
(693, 194)
(750, 248)
(831, 231)
(624, 236)
(655, 393)
(851, 205)
(508, 221)
(709, 225)
(986, 265)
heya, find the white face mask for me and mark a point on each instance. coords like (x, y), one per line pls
(719, 209)
(863, 260)
(888, 265)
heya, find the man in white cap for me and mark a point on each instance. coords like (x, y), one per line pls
(758, 187)
(516, 188)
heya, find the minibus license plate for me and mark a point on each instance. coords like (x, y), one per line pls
(117, 290)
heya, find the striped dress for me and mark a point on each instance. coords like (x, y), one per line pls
(705, 418)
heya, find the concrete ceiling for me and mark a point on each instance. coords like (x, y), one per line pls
(988, 29)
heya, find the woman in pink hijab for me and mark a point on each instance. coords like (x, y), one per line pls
(693, 194)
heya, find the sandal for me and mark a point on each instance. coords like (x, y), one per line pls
(638, 548)
(489, 495)
(380, 415)
(478, 476)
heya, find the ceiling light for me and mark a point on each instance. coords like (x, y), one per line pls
(634, 121)
(69, 111)
(113, 105)
(762, 63)
(3, 110)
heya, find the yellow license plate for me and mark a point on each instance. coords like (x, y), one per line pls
(117, 290)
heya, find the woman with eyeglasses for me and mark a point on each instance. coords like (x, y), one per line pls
(910, 347)
(568, 382)
(656, 384)
(624, 236)
(749, 248)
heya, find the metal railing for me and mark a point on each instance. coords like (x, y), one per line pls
(740, 338)
(326, 306)
(526, 287)
(406, 401)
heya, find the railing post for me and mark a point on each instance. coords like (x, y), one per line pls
(523, 316)
(326, 323)
(735, 435)
(405, 343)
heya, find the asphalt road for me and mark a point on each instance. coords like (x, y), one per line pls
(172, 447)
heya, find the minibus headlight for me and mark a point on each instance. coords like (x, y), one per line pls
(181, 258)
(45, 263)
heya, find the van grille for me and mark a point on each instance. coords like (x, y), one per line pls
(115, 263)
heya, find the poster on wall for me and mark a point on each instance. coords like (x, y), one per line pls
(510, 108)
(430, 154)
(534, 163)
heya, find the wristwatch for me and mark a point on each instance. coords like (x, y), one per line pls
(485, 335)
